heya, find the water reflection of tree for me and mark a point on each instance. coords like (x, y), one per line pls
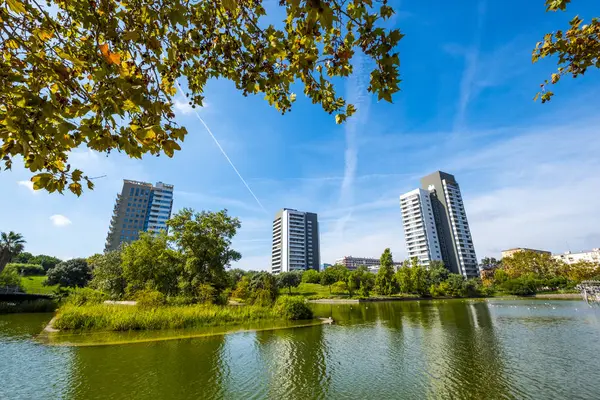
(295, 362)
(467, 359)
(177, 369)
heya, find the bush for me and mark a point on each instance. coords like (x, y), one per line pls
(180, 300)
(339, 287)
(206, 294)
(520, 286)
(293, 308)
(72, 273)
(262, 297)
(311, 276)
(10, 277)
(27, 269)
(79, 297)
(149, 298)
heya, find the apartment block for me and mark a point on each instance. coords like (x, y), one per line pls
(592, 256)
(436, 226)
(140, 207)
(296, 245)
(511, 252)
(420, 232)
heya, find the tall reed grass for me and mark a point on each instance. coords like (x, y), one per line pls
(123, 318)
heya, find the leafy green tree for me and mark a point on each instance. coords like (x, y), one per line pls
(353, 281)
(103, 74)
(47, 262)
(523, 286)
(456, 285)
(339, 271)
(488, 263)
(577, 49)
(263, 289)
(328, 278)
(10, 277)
(404, 279)
(107, 274)
(22, 258)
(149, 263)
(438, 273)
(384, 281)
(71, 273)
(289, 280)
(367, 284)
(242, 289)
(529, 262)
(204, 241)
(311, 276)
(420, 280)
(11, 244)
(339, 287)
(234, 276)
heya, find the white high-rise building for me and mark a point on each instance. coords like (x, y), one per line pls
(296, 244)
(436, 226)
(420, 232)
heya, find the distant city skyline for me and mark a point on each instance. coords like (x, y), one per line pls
(470, 113)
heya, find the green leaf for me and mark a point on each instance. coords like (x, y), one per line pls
(131, 35)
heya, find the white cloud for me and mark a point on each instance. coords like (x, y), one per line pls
(183, 107)
(60, 220)
(27, 184)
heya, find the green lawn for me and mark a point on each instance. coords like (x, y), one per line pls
(312, 289)
(33, 284)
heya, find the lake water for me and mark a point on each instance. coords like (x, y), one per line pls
(456, 349)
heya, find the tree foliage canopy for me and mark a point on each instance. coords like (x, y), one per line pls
(71, 273)
(577, 49)
(204, 241)
(11, 244)
(104, 73)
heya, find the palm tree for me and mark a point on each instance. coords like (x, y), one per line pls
(11, 244)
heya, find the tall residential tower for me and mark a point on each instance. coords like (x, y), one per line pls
(296, 244)
(140, 207)
(439, 209)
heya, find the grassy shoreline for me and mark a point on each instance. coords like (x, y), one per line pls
(103, 317)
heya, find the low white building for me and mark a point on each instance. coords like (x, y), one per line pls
(353, 263)
(572, 258)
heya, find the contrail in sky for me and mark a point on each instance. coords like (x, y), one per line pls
(223, 152)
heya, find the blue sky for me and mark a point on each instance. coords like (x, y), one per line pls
(529, 173)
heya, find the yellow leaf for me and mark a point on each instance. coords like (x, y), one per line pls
(54, 88)
(44, 34)
(12, 44)
(16, 6)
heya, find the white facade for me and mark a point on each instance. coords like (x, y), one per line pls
(354, 262)
(460, 228)
(161, 203)
(592, 256)
(295, 244)
(420, 232)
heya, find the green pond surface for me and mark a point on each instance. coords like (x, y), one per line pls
(455, 349)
